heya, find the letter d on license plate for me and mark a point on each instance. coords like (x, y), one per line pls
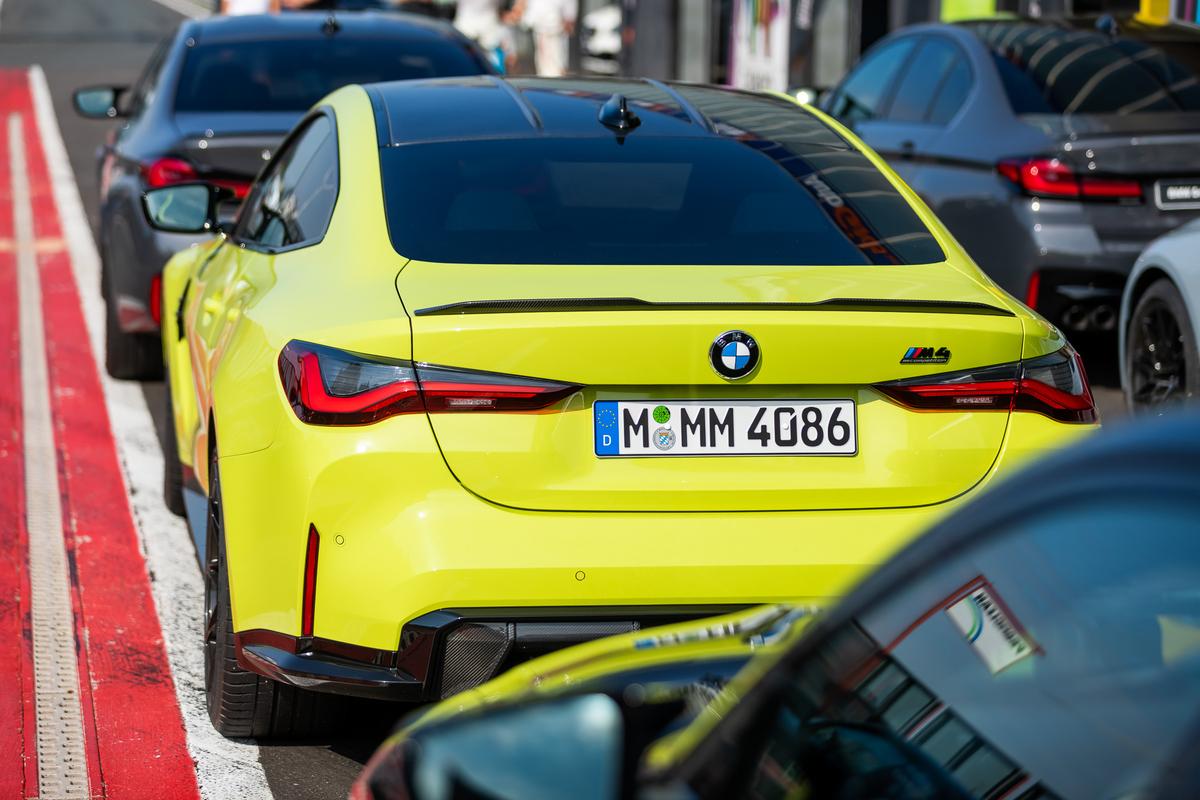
(729, 428)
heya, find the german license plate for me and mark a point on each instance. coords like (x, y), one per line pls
(1170, 194)
(728, 428)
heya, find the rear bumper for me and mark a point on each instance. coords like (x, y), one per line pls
(445, 652)
(401, 541)
(1025, 235)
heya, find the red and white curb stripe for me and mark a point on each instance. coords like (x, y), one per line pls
(61, 758)
(104, 696)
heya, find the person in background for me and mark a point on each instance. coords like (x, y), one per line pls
(481, 20)
(552, 22)
(248, 6)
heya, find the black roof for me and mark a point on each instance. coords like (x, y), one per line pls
(490, 107)
(315, 25)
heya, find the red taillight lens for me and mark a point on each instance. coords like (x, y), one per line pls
(1031, 291)
(466, 390)
(1110, 187)
(308, 605)
(326, 386)
(1046, 177)
(156, 299)
(239, 188)
(1054, 385)
(1049, 177)
(167, 171)
(333, 387)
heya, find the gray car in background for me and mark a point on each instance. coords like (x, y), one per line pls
(1054, 151)
(212, 105)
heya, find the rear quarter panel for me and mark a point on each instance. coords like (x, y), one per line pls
(338, 292)
(175, 278)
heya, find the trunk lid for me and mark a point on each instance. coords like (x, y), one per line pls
(1148, 146)
(1161, 151)
(823, 333)
(232, 146)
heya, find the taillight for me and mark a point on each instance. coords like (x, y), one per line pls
(1054, 385)
(167, 171)
(156, 299)
(1050, 177)
(333, 387)
(1032, 290)
(239, 188)
(326, 386)
(447, 389)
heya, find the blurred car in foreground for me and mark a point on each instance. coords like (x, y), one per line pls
(524, 321)
(1160, 309)
(212, 104)
(1042, 642)
(689, 662)
(1053, 151)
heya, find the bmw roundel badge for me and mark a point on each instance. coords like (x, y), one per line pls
(734, 354)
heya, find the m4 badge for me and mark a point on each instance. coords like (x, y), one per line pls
(926, 355)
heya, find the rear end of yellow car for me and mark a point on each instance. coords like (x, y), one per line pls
(554, 417)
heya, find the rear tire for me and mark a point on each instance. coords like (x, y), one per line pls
(172, 467)
(242, 704)
(1161, 361)
(128, 356)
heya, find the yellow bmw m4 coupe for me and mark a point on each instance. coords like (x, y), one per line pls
(487, 367)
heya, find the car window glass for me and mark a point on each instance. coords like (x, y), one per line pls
(656, 200)
(861, 95)
(1074, 634)
(924, 74)
(294, 200)
(1060, 70)
(952, 93)
(143, 91)
(290, 75)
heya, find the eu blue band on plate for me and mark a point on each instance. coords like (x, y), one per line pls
(606, 428)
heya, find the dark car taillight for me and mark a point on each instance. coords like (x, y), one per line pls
(170, 171)
(167, 172)
(156, 299)
(1049, 177)
(1054, 385)
(327, 386)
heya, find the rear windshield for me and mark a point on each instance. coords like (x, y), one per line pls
(651, 200)
(1049, 70)
(292, 75)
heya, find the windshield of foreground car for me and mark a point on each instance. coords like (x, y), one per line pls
(647, 200)
(292, 75)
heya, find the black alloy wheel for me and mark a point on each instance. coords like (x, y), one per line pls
(1162, 365)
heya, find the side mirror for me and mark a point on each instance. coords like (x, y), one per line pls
(98, 102)
(185, 208)
(572, 747)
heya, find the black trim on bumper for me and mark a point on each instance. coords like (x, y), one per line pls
(413, 673)
(324, 666)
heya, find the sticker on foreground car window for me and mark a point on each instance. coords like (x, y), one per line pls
(990, 629)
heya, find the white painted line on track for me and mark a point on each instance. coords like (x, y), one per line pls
(62, 759)
(189, 8)
(224, 768)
